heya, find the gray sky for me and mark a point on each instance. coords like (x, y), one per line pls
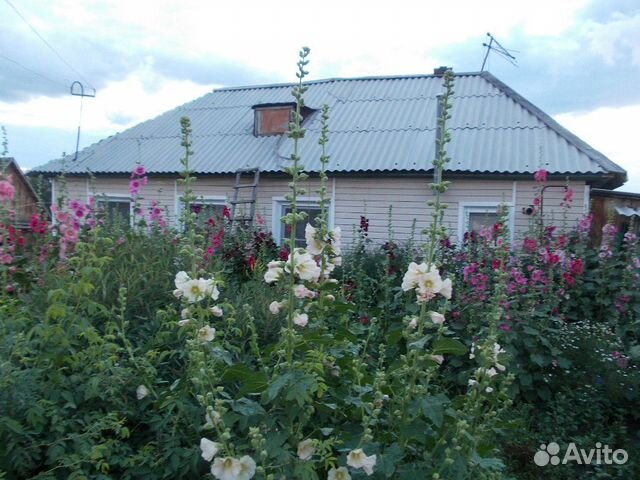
(578, 60)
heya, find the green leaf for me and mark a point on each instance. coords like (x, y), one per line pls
(449, 346)
(301, 389)
(247, 407)
(433, 408)
(490, 463)
(276, 385)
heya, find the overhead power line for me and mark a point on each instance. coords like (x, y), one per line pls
(57, 54)
(41, 75)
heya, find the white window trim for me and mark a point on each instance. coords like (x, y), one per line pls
(220, 200)
(278, 204)
(116, 197)
(464, 208)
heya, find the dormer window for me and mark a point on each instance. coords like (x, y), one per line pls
(274, 118)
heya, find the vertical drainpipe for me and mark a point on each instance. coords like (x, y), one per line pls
(53, 199)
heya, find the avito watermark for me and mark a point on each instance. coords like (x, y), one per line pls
(601, 455)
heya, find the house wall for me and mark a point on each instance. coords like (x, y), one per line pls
(370, 197)
(24, 201)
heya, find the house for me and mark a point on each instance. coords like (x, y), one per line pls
(619, 208)
(381, 144)
(25, 200)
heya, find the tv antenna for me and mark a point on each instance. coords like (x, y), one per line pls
(77, 89)
(495, 46)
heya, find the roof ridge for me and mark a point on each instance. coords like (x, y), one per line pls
(343, 79)
(598, 157)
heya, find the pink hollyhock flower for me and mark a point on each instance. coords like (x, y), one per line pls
(568, 196)
(7, 190)
(134, 187)
(541, 175)
(609, 230)
(577, 266)
(139, 171)
(530, 244)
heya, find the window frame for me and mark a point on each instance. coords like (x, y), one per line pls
(116, 198)
(466, 208)
(280, 203)
(216, 200)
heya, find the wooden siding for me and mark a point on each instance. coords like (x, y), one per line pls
(405, 198)
(24, 202)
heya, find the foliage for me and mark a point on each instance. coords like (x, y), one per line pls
(385, 361)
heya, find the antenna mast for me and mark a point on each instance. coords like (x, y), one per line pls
(79, 92)
(495, 46)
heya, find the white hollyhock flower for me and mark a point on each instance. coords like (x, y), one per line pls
(488, 390)
(314, 246)
(413, 275)
(300, 291)
(247, 468)
(330, 297)
(492, 372)
(306, 449)
(227, 468)
(195, 289)
(206, 334)
(438, 359)
(436, 318)
(338, 474)
(446, 289)
(141, 392)
(300, 319)
(274, 307)
(305, 267)
(181, 278)
(429, 284)
(185, 313)
(413, 323)
(184, 322)
(358, 459)
(472, 382)
(217, 311)
(336, 241)
(209, 448)
(497, 350)
(274, 272)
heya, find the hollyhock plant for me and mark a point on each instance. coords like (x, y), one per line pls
(7, 190)
(303, 265)
(340, 473)
(209, 449)
(541, 175)
(195, 290)
(306, 449)
(358, 459)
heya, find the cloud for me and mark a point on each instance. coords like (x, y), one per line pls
(101, 50)
(612, 131)
(582, 68)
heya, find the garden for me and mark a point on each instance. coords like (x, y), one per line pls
(206, 350)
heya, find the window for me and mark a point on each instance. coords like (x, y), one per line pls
(114, 209)
(475, 216)
(205, 208)
(281, 207)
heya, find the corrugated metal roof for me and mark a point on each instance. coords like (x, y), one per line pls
(628, 211)
(376, 124)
